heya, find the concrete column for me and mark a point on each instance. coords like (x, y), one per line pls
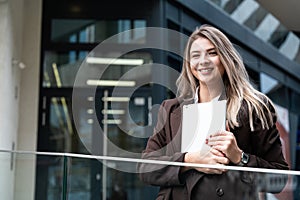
(10, 45)
(29, 98)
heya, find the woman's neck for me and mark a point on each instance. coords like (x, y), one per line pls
(206, 94)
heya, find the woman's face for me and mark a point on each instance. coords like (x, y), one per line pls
(205, 62)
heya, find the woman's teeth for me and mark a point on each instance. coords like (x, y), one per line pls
(206, 70)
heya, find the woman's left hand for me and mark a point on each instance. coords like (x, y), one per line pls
(225, 142)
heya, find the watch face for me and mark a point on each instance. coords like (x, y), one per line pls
(245, 158)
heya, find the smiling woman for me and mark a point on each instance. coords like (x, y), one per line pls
(206, 67)
(213, 69)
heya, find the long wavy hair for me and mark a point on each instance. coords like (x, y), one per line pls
(236, 80)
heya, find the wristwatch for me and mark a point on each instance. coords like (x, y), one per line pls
(244, 159)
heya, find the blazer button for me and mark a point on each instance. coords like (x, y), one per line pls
(220, 192)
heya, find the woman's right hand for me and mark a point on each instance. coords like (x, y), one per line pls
(211, 157)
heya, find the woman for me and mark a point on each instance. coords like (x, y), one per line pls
(213, 70)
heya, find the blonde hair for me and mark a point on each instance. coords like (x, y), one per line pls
(235, 79)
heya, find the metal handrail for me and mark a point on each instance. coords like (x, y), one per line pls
(159, 162)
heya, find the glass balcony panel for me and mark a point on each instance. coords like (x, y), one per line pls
(79, 182)
(78, 176)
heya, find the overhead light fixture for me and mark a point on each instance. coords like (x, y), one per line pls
(90, 121)
(110, 83)
(90, 111)
(90, 98)
(113, 112)
(111, 121)
(114, 61)
(116, 99)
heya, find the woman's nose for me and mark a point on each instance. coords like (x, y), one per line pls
(204, 59)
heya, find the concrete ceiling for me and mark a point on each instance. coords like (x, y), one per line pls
(287, 12)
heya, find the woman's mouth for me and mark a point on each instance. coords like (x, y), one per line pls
(205, 70)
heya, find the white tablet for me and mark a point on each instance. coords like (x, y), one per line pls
(199, 121)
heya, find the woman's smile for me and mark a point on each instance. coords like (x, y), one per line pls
(206, 70)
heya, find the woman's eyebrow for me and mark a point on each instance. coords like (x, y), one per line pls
(211, 49)
(195, 51)
(207, 50)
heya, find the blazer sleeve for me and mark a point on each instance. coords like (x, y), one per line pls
(157, 174)
(266, 146)
(267, 153)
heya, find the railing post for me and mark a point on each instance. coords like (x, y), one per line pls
(105, 138)
(65, 178)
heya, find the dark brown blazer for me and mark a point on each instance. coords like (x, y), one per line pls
(263, 146)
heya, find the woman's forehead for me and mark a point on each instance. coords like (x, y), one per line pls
(201, 44)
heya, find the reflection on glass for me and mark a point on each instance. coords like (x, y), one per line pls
(60, 68)
(126, 123)
(50, 177)
(61, 125)
(63, 135)
(55, 178)
(94, 31)
(79, 179)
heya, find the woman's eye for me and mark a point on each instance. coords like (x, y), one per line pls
(212, 53)
(195, 55)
